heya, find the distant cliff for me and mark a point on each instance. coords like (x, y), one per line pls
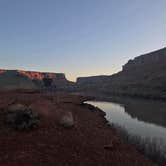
(91, 80)
(150, 61)
(144, 76)
(20, 79)
(41, 75)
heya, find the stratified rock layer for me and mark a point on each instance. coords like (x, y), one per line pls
(30, 80)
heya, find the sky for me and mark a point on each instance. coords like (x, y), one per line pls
(79, 37)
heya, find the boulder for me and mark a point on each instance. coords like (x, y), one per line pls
(67, 120)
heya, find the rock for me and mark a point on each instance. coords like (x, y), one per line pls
(143, 76)
(109, 147)
(67, 120)
(30, 80)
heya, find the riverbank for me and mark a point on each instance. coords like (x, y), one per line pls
(89, 142)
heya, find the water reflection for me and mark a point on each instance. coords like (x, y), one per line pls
(139, 117)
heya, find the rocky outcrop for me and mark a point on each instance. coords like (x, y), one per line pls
(2, 71)
(144, 76)
(12, 80)
(40, 75)
(91, 80)
(156, 58)
(67, 120)
(19, 79)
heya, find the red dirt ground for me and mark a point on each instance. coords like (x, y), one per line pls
(53, 145)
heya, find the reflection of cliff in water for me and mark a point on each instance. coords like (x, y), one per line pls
(148, 111)
(152, 111)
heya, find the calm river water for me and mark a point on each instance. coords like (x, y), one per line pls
(143, 118)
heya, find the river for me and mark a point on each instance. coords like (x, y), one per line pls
(140, 118)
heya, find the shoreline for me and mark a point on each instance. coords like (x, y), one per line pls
(90, 142)
(110, 97)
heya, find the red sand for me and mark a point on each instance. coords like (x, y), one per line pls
(52, 145)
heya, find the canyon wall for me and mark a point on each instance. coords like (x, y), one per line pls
(143, 76)
(20, 79)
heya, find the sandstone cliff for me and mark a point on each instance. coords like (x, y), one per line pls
(20, 79)
(144, 76)
(12, 80)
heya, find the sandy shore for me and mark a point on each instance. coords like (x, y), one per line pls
(91, 142)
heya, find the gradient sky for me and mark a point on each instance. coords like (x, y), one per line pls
(79, 37)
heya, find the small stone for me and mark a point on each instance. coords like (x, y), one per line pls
(109, 147)
(67, 120)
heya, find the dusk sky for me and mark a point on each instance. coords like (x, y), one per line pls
(79, 37)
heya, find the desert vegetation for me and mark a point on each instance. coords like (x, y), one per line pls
(21, 117)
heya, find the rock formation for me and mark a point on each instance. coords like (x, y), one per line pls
(28, 80)
(144, 76)
(13, 80)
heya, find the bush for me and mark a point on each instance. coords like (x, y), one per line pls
(22, 118)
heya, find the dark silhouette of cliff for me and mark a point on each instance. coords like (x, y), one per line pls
(144, 76)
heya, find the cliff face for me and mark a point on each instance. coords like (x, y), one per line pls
(144, 76)
(151, 62)
(91, 80)
(149, 68)
(2, 71)
(12, 80)
(41, 75)
(20, 79)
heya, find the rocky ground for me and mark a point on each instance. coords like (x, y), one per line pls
(87, 141)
